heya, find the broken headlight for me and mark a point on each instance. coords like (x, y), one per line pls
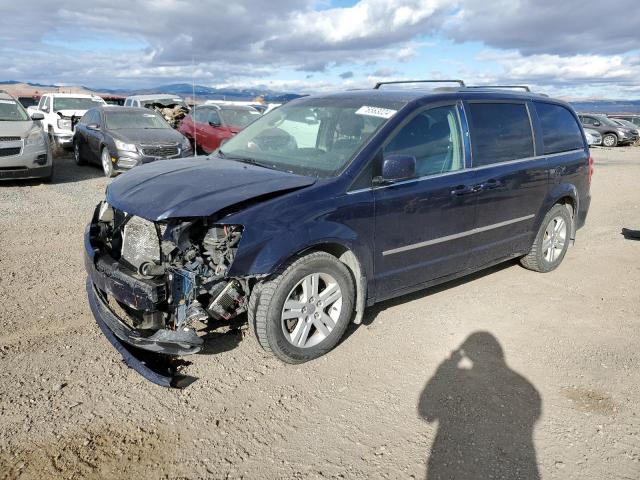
(140, 242)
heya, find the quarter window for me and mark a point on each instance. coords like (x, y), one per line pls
(560, 131)
(433, 137)
(500, 132)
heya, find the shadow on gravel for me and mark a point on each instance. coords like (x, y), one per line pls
(486, 413)
(372, 312)
(222, 341)
(66, 171)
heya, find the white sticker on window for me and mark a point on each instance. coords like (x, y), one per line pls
(10, 102)
(375, 112)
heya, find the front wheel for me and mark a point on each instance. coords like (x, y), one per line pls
(303, 310)
(76, 154)
(610, 140)
(107, 164)
(552, 241)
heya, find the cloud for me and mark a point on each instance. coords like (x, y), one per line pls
(384, 72)
(561, 44)
(345, 75)
(566, 28)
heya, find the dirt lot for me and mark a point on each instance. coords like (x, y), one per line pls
(388, 401)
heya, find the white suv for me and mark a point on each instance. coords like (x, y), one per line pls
(59, 110)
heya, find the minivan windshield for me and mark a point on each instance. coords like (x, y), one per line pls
(311, 136)
(76, 103)
(12, 111)
(123, 119)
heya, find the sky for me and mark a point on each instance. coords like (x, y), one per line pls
(569, 48)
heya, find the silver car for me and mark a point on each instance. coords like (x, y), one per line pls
(593, 136)
(24, 149)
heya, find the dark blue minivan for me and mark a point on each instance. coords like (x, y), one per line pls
(329, 204)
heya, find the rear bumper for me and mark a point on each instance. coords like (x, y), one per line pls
(583, 210)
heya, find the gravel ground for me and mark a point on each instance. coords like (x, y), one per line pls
(391, 401)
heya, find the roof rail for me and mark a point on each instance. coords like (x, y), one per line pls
(523, 87)
(459, 82)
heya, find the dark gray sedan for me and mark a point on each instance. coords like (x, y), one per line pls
(120, 138)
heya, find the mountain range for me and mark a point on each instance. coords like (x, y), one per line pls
(211, 93)
(181, 89)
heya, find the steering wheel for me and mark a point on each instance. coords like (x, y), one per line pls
(272, 140)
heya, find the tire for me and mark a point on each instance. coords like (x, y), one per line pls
(107, 164)
(77, 156)
(551, 242)
(320, 326)
(55, 148)
(610, 140)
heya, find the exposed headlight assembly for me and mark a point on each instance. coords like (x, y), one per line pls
(125, 147)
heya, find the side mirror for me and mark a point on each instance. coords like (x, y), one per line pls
(37, 116)
(93, 126)
(396, 168)
(596, 124)
(214, 124)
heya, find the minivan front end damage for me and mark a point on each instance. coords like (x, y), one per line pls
(160, 286)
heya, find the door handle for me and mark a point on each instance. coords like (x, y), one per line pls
(465, 190)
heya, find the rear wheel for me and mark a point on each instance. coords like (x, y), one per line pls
(552, 241)
(304, 309)
(610, 140)
(107, 164)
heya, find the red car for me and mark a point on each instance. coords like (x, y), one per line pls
(208, 126)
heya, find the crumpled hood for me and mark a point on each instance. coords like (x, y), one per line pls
(195, 187)
(147, 135)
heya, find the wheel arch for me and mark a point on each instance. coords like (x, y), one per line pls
(562, 194)
(349, 258)
(345, 253)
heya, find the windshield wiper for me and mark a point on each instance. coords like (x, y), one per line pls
(250, 161)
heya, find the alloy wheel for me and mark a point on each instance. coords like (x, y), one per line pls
(311, 310)
(555, 238)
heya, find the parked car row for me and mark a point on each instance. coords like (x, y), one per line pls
(614, 131)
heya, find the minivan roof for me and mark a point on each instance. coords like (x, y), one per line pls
(407, 95)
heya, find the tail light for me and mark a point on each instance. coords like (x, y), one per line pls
(590, 168)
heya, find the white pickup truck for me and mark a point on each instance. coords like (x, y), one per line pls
(59, 110)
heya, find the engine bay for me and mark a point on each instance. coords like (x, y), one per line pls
(191, 257)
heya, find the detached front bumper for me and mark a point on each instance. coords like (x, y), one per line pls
(107, 281)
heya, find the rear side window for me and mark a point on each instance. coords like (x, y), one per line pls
(560, 131)
(500, 132)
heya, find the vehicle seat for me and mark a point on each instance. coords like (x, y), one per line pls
(349, 132)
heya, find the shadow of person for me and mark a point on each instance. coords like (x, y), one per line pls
(485, 413)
